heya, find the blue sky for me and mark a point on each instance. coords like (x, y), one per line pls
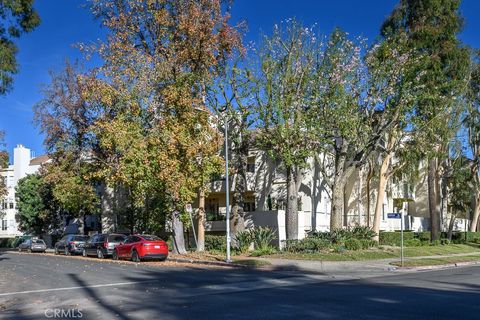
(66, 22)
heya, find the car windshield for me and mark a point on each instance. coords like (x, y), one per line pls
(38, 241)
(151, 238)
(80, 238)
(116, 238)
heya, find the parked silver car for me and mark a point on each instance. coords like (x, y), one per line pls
(33, 245)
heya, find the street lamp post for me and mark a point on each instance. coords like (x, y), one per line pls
(227, 188)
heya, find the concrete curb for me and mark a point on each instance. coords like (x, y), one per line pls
(438, 267)
(179, 260)
(211, 263)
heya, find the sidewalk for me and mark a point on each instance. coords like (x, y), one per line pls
(366, 267)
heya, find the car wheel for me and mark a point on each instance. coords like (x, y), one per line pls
(135, 257)
(56, 251)
(67, 252)
(115, 255)
(84, 253)
(100, 254)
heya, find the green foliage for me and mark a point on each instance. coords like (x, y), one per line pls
(263, 252)
(243, 239)
(435, 243)
(38, 211)
(413, 243)
(445, 241)
(263, 237)
(338, 236)
(215, 243)
(368, 243)
(394, 238)
(424, 235)
(9, 242)
(17, 17)
(353, 244)
(307, 245)
(362, 232)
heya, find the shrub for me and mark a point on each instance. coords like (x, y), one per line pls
(215, 243)
(309, 244)
(394, 238)
(340, 235)
(424, 236)
(263, 236)
(353, 244)
(243, 239)
(413, 243)
(367, 244)
(263, 252)
(445, 241)
(435, 243)
(362, 233)
(170, 243)
(339, 249)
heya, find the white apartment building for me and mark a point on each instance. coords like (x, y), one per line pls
(23, 164)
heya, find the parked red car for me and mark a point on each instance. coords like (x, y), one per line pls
(141, 247)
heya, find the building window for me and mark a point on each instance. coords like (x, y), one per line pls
(11, 205)
(4, 225)
(251, 167)
(212, 210)
(249, 206)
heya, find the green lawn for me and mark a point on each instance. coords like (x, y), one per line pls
(374, 254)
(436, 261)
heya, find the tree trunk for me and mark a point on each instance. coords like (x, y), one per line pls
(291, 214)
(451, 224)
(178, 236)
(382, 185)
(367, 191)
(476, 214)
(338, 193)
(238, 224)
(201, 221)
(433, 203)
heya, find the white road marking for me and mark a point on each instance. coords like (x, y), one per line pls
(76, 288)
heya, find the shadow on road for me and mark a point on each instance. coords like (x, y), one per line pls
(198, 293)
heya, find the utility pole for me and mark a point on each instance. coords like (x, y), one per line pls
(227, 188)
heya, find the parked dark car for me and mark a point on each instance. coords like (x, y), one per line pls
(70, 244)
(141, 247)
(33, 245)
(102, 245)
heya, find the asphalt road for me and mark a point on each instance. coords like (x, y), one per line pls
(33, 286)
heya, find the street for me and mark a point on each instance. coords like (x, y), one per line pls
(35, 286)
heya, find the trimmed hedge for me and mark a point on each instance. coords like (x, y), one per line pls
(309, 244)
(215, 243)
(394, 238)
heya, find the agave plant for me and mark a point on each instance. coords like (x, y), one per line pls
(244, 239)
(263, 236)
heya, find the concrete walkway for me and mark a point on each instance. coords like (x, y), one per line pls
(366, 267)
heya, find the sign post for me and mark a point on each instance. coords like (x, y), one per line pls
(401, 238)
(399, 215)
